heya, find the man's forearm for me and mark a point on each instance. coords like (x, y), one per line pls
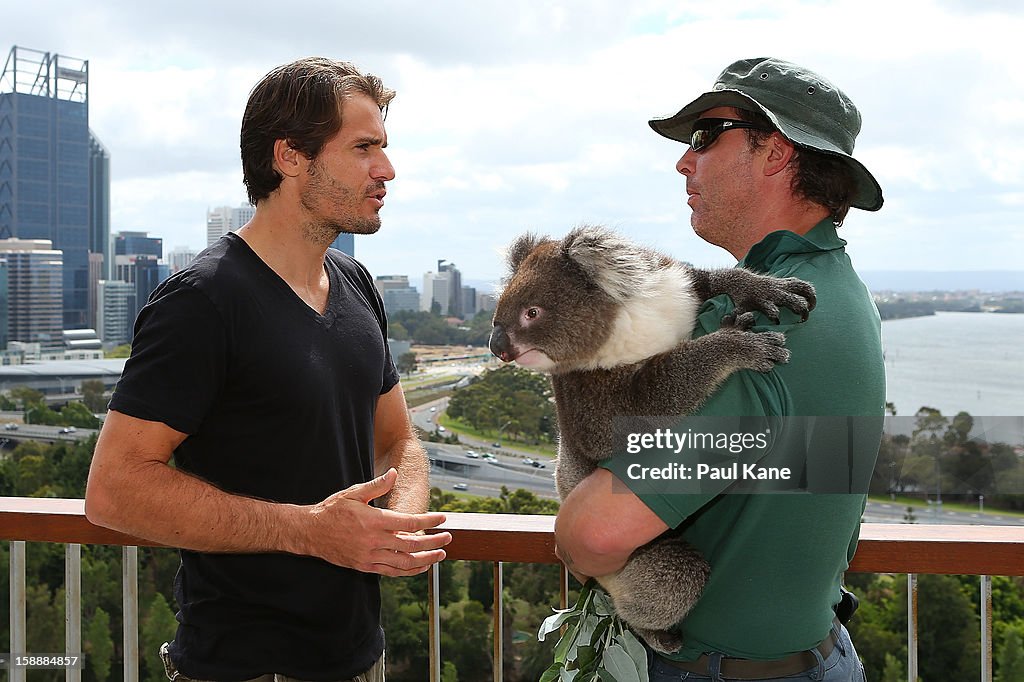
(192, 514)
(411, 493)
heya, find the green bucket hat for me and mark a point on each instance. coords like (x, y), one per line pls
(808, 110)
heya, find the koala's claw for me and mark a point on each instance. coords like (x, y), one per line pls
(793, 293)
(741, 321)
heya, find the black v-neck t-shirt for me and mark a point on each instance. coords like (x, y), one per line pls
(278, 401)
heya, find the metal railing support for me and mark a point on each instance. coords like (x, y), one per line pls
(986, 628)
(499, 632)
(17, 606)
(73, 608)
(434, 615)
(130, 604)
(912, 627)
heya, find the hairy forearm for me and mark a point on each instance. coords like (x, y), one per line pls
(411, 493)
(190, 513)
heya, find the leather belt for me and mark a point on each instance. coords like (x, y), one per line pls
(749, 669)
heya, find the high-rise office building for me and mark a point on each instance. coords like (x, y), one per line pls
(396, 293)
(346, 243)
(99, 208)
(224, 219)
(443, 287)
(45, 155)
(115, 317)
(35, 277)
(97, 271)
(4, 305)
(138, 244)
(468, 302)
(180, 257)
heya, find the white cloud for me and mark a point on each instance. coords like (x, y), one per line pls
(515, 116)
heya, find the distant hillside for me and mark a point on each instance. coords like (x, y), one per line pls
(951, 280)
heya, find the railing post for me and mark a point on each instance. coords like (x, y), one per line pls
(912, 627)
(130, 618)
(563, 587)
(73, 608)
(434, 615)
(499, 632)
(986, 628)
(17, 606)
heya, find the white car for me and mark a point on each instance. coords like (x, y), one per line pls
(472, 455)
(460, 486)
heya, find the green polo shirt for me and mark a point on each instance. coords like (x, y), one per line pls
(777, 559)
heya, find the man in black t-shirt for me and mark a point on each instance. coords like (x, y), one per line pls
(263, 369)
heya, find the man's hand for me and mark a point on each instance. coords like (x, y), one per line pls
(570, 565)
(347, 531)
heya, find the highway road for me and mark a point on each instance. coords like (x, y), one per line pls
(47, 434)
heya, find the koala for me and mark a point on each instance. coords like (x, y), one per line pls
(611, 321)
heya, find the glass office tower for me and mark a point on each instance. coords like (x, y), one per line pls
(45, 164)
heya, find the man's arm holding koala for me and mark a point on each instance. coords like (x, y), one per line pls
(593, 540)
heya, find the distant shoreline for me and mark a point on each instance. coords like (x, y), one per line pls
(905, 310)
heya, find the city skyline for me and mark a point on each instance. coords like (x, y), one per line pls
(511, 119)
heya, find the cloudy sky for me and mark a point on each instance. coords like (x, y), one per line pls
(515, 116)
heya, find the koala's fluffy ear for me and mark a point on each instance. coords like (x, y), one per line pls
(614, 264)
(518, 250)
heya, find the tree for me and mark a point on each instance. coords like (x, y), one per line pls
(158, 626)
(407, 363)
(26, 396)
(466, 634)
(77, 414)
(98, 645)
(119, 352)
(894, 670)
(1011, 657)
(93, 395)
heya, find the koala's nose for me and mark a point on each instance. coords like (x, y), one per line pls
(499, 343)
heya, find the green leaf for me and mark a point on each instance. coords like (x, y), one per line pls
(552, 673)
(619, 664)
(555, 621)
(586, 657)
(567, 675)
(602, 603)
(636, 651)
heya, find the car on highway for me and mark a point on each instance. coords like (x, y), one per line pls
(433, 409)
(68, 429)
(460, 486)
(472, 455)
(10, 426)
(528, 461)
(537, 464)
(489, 457)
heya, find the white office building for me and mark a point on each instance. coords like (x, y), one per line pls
(224, 219)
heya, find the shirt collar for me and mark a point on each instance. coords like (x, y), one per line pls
(821, 237)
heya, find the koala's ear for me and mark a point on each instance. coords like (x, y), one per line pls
(618, 266)
(518, 250)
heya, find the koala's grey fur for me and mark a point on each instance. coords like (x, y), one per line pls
(611, 321)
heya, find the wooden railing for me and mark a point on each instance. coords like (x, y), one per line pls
(883, 548)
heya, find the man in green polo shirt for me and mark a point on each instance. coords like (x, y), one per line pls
(773, 195)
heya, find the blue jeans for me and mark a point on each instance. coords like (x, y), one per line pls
(842, 665)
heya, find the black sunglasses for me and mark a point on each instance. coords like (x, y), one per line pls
(707, 130)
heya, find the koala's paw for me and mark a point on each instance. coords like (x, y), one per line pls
(640, 594)
(759, 351)
(662, 641)
(772, 292)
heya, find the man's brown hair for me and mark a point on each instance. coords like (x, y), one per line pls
(825, 179)
(301, 104)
